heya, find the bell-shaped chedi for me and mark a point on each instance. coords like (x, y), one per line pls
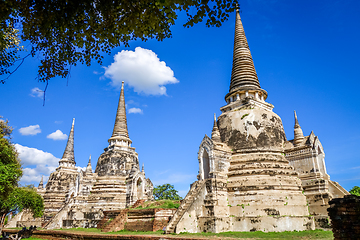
(118, 169)
(259, 175)
(245, 182)
(62, 179)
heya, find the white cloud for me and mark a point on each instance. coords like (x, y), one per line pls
(135, 110)
(57, 135)
(79, 169)
(142, 70)
(37, 92)
(44, 163)
(30, 130)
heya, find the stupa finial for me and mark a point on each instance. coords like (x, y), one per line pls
(120, 131)
(69, 149)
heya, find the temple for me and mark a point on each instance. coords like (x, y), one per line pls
(75, 198)
(250, 177)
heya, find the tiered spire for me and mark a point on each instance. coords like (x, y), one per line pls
(41, 184)
(120, 132)
(89, 168)
(298, 133)
(215, 134)
(69, 150)
(243, 75)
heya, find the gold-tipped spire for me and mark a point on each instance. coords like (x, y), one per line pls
(215, 134)
(120, 131)
(243, 75)
(69, 150)
(298, 133)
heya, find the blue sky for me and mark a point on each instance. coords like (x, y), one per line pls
(306, 55)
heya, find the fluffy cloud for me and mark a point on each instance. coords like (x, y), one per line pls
(135, 110)
(37, 92)
(142, 70)
(57, 135)
(30, 130)
(35, 163)
(79, 169)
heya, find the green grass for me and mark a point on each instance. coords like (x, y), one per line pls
(91, 230)
(315, 234)
(160, 204)
(297, 235)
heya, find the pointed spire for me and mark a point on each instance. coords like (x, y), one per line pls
(41, 184)
(89, 168)
(142, 169)
(215, 134)
(298, 133)
(120, 127)
(69, 150)
(243, 75)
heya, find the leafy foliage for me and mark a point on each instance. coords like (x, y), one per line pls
(63, 33)
(355, 191)
(10, 168)
(160, 204)
(23, 198)
(14, 198)
(166, 191)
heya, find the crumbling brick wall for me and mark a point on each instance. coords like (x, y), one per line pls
(345, 217)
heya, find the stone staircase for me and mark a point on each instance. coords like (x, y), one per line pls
(185, 204)
(108, 216)
(138, 203)
(118, 223)
(115, 220)
(56, 220)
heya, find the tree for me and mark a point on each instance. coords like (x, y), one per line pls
(64, 33)
(21, 198)
(14, 198)
(10, 168)
(355, 191)
(166, 191)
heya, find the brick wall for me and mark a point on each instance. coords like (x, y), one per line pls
(345, 217)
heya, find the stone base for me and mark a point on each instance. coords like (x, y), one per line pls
(80, 223)
(251, 224)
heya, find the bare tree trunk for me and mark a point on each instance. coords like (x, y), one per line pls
(2, 220)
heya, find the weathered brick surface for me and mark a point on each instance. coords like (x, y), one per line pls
(345, 217)
(135, 220)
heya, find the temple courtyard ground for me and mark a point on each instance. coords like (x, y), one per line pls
(93, 233)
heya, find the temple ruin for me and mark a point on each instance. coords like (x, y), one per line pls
(79, 199)
(251, 178)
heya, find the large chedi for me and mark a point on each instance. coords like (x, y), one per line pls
(119, 181)
(78, 199)
(245, 181)
(62, 181)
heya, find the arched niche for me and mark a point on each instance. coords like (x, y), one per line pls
(139, 188)
(205, 164)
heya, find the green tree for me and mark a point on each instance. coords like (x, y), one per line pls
(10, 168)
(13, 198)
(166, 191)
(64, 33)
(355, 191)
